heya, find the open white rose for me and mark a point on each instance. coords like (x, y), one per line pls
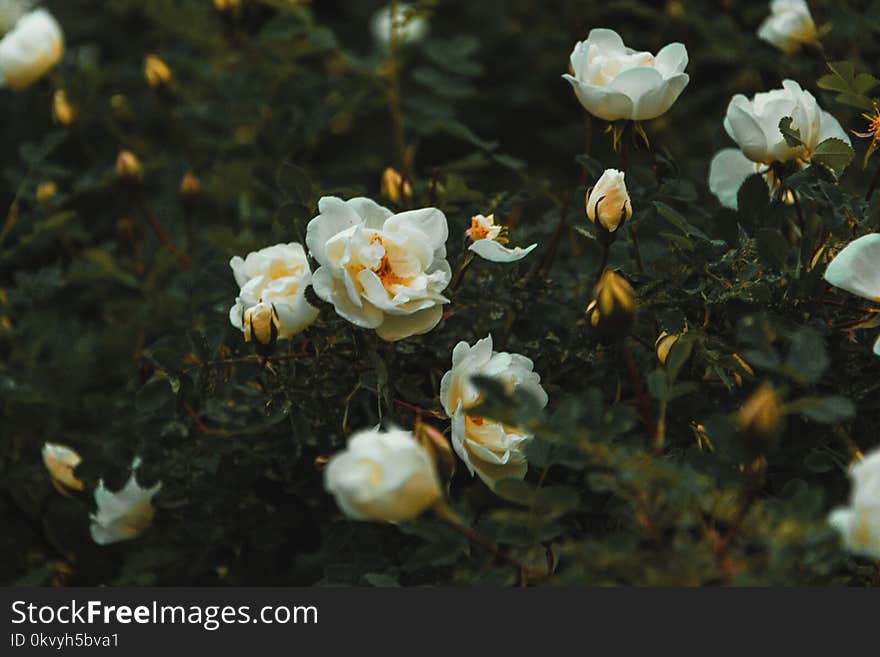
(614, 82)
(492, 450)
(30, 50)
(608, 202)
(382, 475)
(60, 462)
(859, 523)
(381, 270)
(488, 240)
(754, 126)
(856, 269)
(125, 514)
(410, 26)
(789, 25)
(273, 284)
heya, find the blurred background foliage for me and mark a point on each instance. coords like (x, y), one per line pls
(110, 339)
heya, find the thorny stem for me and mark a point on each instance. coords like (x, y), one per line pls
(183, 260)
(453, 520)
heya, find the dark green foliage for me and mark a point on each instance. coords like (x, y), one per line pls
(109, 343)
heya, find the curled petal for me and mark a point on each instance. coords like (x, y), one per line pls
(496, 252)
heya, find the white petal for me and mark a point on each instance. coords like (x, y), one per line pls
(430, 221)
(747, 132)
(727, 172)
(492, 250)
(335, 216)
(398, 327)
(672, 59)
(856, 269)
(601, 102)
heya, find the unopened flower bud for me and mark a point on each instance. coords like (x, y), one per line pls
(156, 71)
(190, 187)
(226, 5)
(613, 307)
(761, 415)
(664, 345)
(437, 445)
(128, 167)
(62, 110)
(60, 461)
(261, 323)
(394, 186)
(46, 190)
(608, 203)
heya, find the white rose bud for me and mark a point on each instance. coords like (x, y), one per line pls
(608, 202)
(381, 270)
(614, 82)
(859, 523)
(789, 25)
(60, 462)
(272, 299)
(382, 475)
(754, 125)
(11, 11)
(30, 50)
(411, 27)
(490, 449)
(125, 514)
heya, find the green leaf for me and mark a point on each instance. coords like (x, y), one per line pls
(792, 135)
(827, 410)
(772, 247)
(834, 153)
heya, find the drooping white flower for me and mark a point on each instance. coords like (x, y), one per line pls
(859, 523)
(491, 449)
(273, 283)
(411, 27)
(382, 475)
(381, 270)
(614, 82)
(60, 461)
(789, 25)
(754, 125)
(608, 203)
(488, 241)
(125, 514)
(30, 49)
(856, 269)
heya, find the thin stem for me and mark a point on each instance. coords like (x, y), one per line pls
(874, 181)
(459, 275)
(453, 520)
(603, 263)
(183, 260)
(641, 395)
(637, 252)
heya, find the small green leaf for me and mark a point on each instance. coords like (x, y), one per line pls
(834, 153)
(792, 135)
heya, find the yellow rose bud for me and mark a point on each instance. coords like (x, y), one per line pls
(61, 461)
(190, 187)
(46, 190)
(614, 304)
(156, 71)
(226, 5)
(761, 415)
(62, 110)
(395, 186)
(261, 323)
(608, 203)
(128, 167)
(664, 345)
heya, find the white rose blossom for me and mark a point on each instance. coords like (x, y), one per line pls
(614, 82)
(125, 514)
(859, 523)
(272, 299)
(754, 126)
(381, 270)
(492, 450)
(411, 27)
(489, 240)
(608, 203)
(60, 462)
(856, 269)
(382, 475)
(789, 25)
(30, 49)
